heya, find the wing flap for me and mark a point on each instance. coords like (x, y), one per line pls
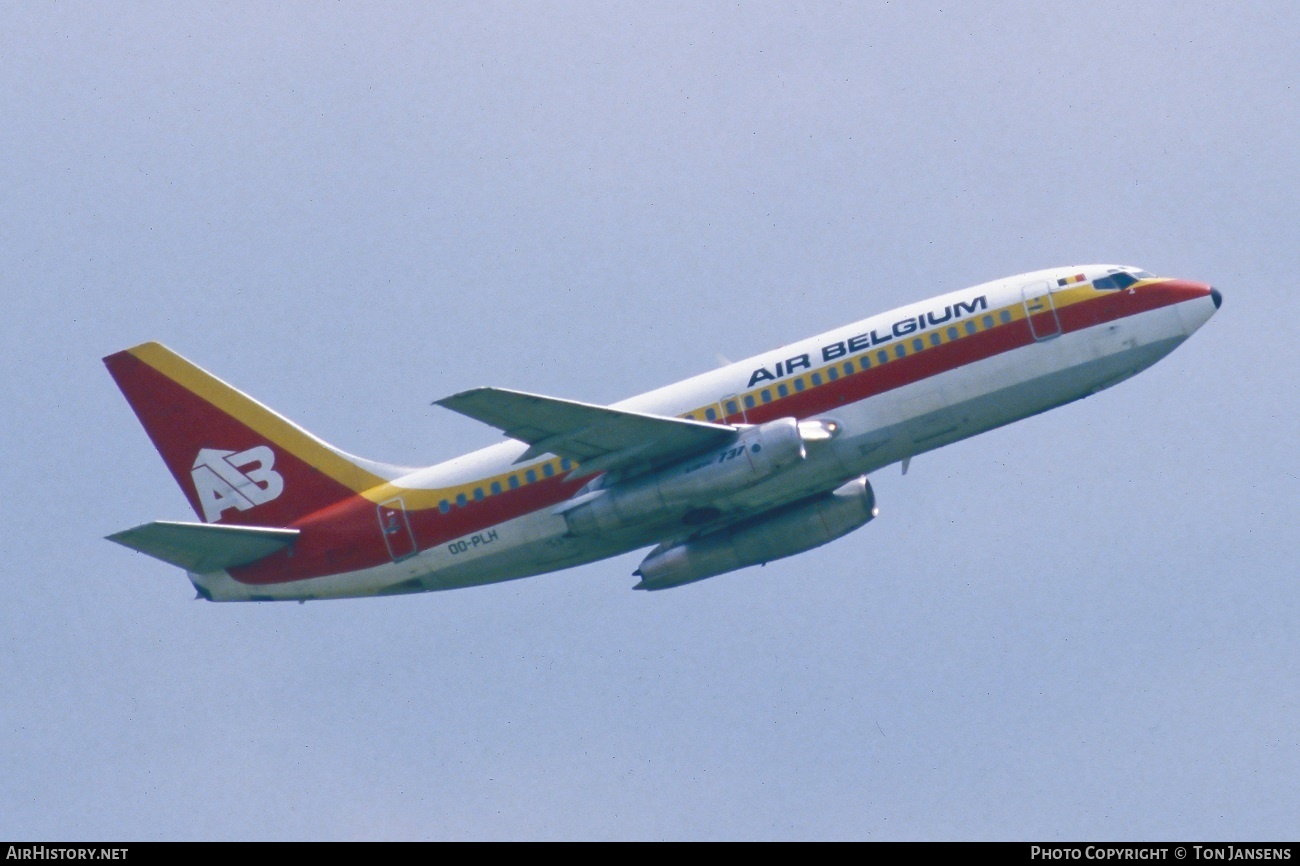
(204, 547)
(587, 433)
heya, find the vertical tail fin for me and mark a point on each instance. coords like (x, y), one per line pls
(237, 461)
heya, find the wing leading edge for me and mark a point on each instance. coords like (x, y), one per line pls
(596, 437)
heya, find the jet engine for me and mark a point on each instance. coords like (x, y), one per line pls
(773, 535)
(757, 453)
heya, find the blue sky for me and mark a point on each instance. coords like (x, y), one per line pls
(1078, 627)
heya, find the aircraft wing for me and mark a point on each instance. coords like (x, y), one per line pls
(597, 437)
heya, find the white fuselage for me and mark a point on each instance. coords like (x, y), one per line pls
(958, 400)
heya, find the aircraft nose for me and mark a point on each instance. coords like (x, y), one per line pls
(1198, 302)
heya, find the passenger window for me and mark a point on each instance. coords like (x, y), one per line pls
(749, 401)
(513, 482)
(918, 344)
(478, 493)
(766, 395)
(710, 413)
(816, 379)
(953, 333)
(461, 500)
(900, 350)
(548, 469)
(782, 390)
(988, 322)
(832, 373)
(496, 487)
(565, 464)
(444, 506)
(732, 407)
(934, 339)
(531, 475)
(882, 356)
(848, 365)
(1005, 316)
(970, 327)
(798, 384)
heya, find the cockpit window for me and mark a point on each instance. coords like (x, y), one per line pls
(1119, 280)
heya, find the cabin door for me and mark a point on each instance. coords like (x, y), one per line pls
(1040, 310)
(396, 529)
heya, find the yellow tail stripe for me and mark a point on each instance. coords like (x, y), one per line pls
(257, 417)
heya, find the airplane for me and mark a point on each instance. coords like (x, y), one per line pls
(749, 463)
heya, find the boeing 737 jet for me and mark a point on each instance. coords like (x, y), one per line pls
(749, 463)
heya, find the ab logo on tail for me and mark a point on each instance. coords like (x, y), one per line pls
(225, 480)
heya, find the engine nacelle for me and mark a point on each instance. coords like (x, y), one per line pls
(774, 535)
(757, 454)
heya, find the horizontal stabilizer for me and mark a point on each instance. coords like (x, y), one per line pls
(604, 437)
(204, 547)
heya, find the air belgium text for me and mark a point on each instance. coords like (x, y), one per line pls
(874, 337)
